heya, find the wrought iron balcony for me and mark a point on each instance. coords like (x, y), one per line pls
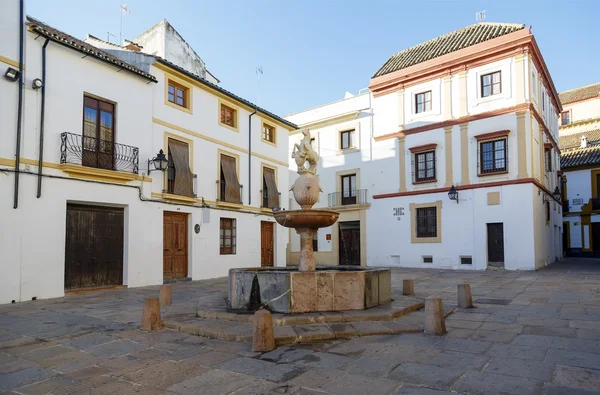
(345, 198)
(565, 206)
(102, 154)
(232, 196)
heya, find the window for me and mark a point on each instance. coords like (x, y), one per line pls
(177, 94)
(268, 133)
(346, 139)
(548, 159)
(227, 238)
(565, 118)
(315, 241)
(543, 100)
(349, 189)
(180, 180)
(426, 222)
(98, 140)
(270, 198)
(422, 102)
(427, 259)
(491, 84)
(425, 166)
(466, 260)
(493, 156)
(229, 187)
(547, 213)
(228, 116)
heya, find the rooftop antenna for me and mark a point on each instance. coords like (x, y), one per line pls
(108, 34)
(259, 72)
(124, 10)
(480, 16)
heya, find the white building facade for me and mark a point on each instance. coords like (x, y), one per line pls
(91, 215)
(580, 162)
(480, 120)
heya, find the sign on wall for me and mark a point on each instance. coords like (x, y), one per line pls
(398, 212)
(577, 202)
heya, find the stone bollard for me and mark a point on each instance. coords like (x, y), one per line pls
(151, 315)
(263, 338)
(435, 322)
(165, 295)
(465, 299)
(408, 287)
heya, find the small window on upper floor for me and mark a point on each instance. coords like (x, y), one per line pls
(565, 118)
(346, 139)
(228, 116)
(422, 102)
(491, 84)
(177, 94)
(424, 166)
(548, 159)
(493, 156)
(268, 133)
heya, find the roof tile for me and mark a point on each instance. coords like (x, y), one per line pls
(578, 94)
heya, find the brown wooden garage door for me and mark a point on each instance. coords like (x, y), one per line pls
(94, 246)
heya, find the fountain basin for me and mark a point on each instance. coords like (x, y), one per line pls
(338, 288)
(311, 219)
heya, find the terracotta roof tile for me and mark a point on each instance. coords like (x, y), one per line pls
(578, 94)
(450, 42)
(81, 46)
(573, 141)
(580, 157)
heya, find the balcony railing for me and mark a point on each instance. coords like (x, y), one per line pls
(595, 203)
(345, 198)
(222, 196)
(102, 154)
(565, 206)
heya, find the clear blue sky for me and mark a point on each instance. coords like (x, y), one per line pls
(313, 51)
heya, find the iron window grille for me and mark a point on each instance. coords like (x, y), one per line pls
(424, 166)
(227, 236)
(493, 156)
(426, 221)
(427, 259)
(466, 260)
(491, 84)
(346, 197)
(423, 102)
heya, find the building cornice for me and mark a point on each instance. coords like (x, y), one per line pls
(349, 116)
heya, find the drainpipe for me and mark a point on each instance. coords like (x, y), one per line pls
(250, 157)
(42, 111)
(20, 105)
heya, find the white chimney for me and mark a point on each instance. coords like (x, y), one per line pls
(583, 141)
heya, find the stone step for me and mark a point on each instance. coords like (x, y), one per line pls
(302, 333)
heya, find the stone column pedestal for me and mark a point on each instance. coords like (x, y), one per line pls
(307, 259)
(165, 295)
(263, 338)
(465, 300)
(408, 287)
(151, 315)
(435, 322)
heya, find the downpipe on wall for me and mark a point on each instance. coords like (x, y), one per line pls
(20, 105)
(42, 112)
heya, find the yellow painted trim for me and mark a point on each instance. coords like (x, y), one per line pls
(236, 120)
(352, 207)
(232, 205)
(170, 196)
(215, 141)
(493, 198)
(594, 174)
(522, 144)
(400, 107)
(327, 121)
(448, 154)
(262, 181)
(189, 142)
(588, 167)
(217, 93)
(7, 162)
(93, 173)
(462, 95)
(237, 169)
(413, 222)
(520, 78)
(402, 162)
(464, 153)
(189, 89)
(262, 128)
(10, 62)
(542, 156)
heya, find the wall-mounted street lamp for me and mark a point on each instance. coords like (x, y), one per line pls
(36, 84)
(159, 162)
(453, 194)
(12, 74)
(556, 194)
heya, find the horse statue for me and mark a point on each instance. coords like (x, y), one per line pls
(303, 152)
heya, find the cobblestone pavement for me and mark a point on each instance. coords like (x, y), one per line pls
(531, 333)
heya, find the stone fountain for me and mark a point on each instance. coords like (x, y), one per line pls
(308, 288)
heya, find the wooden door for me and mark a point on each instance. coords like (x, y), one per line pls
(93, 246)
(495, 244)
(596, 238)
(266, 244)
(349, 243)
(566, 238)
(175, 254)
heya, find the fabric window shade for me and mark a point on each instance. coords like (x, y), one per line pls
(232, 186)
(184, 179)
(273, 193)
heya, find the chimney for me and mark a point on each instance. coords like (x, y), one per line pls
(130, 45)
(583, 141)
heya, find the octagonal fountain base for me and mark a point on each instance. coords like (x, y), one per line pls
(287, 290)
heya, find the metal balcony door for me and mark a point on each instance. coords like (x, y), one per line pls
(98, 134)
(349, 189)
(94, 246)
